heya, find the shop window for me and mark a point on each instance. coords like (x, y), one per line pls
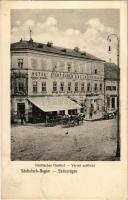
(62, 86)
(108, 102)
(35, 86)
(76, 86)
(54, 86)
(82, 87)
(20, 63)
(113, 102)
(43, 86)
(69, 87)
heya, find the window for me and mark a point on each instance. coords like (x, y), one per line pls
(82, 87)
(21, 86)
(69, 87)
(35, 86)
(113, 88)
(113, 102)
(69, 67)
(108, 102)
(62, 86)
(54, 86)
(95, 87)
(95, 71)
(108, 87)
(76, 86)
(43, 86)
(20, 63)
(34, 63)
(100, 86)
(88, 87)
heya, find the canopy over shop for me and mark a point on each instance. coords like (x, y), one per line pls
(44, 107)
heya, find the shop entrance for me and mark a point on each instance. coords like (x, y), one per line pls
(20, 109)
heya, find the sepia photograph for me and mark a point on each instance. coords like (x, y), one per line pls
(65, 84)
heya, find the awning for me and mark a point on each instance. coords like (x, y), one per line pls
(49, 104)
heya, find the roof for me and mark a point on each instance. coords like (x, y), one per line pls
(111, 71)
(49, 104)
(50, 48)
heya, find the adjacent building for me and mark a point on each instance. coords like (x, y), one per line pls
(49, 80)
(111, 86)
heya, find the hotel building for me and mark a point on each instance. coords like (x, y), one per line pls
(48, 79)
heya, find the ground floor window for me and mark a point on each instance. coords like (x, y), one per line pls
(62, 112)
(113, 102)
(108, 102)
(72, 112)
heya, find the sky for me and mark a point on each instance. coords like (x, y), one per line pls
(87, 29)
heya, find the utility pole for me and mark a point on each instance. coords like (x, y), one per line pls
(118, 91)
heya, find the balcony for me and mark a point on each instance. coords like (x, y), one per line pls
(19, 93)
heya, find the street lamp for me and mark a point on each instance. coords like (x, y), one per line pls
(118, 91)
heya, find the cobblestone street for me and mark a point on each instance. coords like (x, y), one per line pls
(94, 140)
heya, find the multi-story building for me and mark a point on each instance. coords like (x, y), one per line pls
(111, 86)
(49, 79)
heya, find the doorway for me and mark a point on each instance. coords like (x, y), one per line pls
(20, 109)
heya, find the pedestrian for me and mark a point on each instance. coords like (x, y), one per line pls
(22, 118)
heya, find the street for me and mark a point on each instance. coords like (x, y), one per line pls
(91, 141)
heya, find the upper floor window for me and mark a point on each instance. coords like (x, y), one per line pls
(95, 87)
(35, 86)
(54, 86)
(62, 86)
(34, 63)
(76, 86)
(95, 71)
(100, 86)
(43, 86)
(108, 87)
(69, 87)
(113, 88)
(54, 68)
(82, 87)
(20, 63)
(69, 67)
(20, 86)
(88, 87)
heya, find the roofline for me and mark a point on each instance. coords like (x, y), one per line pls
(57, 53)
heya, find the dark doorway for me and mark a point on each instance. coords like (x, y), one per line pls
(20, 109)
(38, 115)
(113, 102)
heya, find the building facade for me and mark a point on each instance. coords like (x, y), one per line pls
(111, 81)
(43, 75)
